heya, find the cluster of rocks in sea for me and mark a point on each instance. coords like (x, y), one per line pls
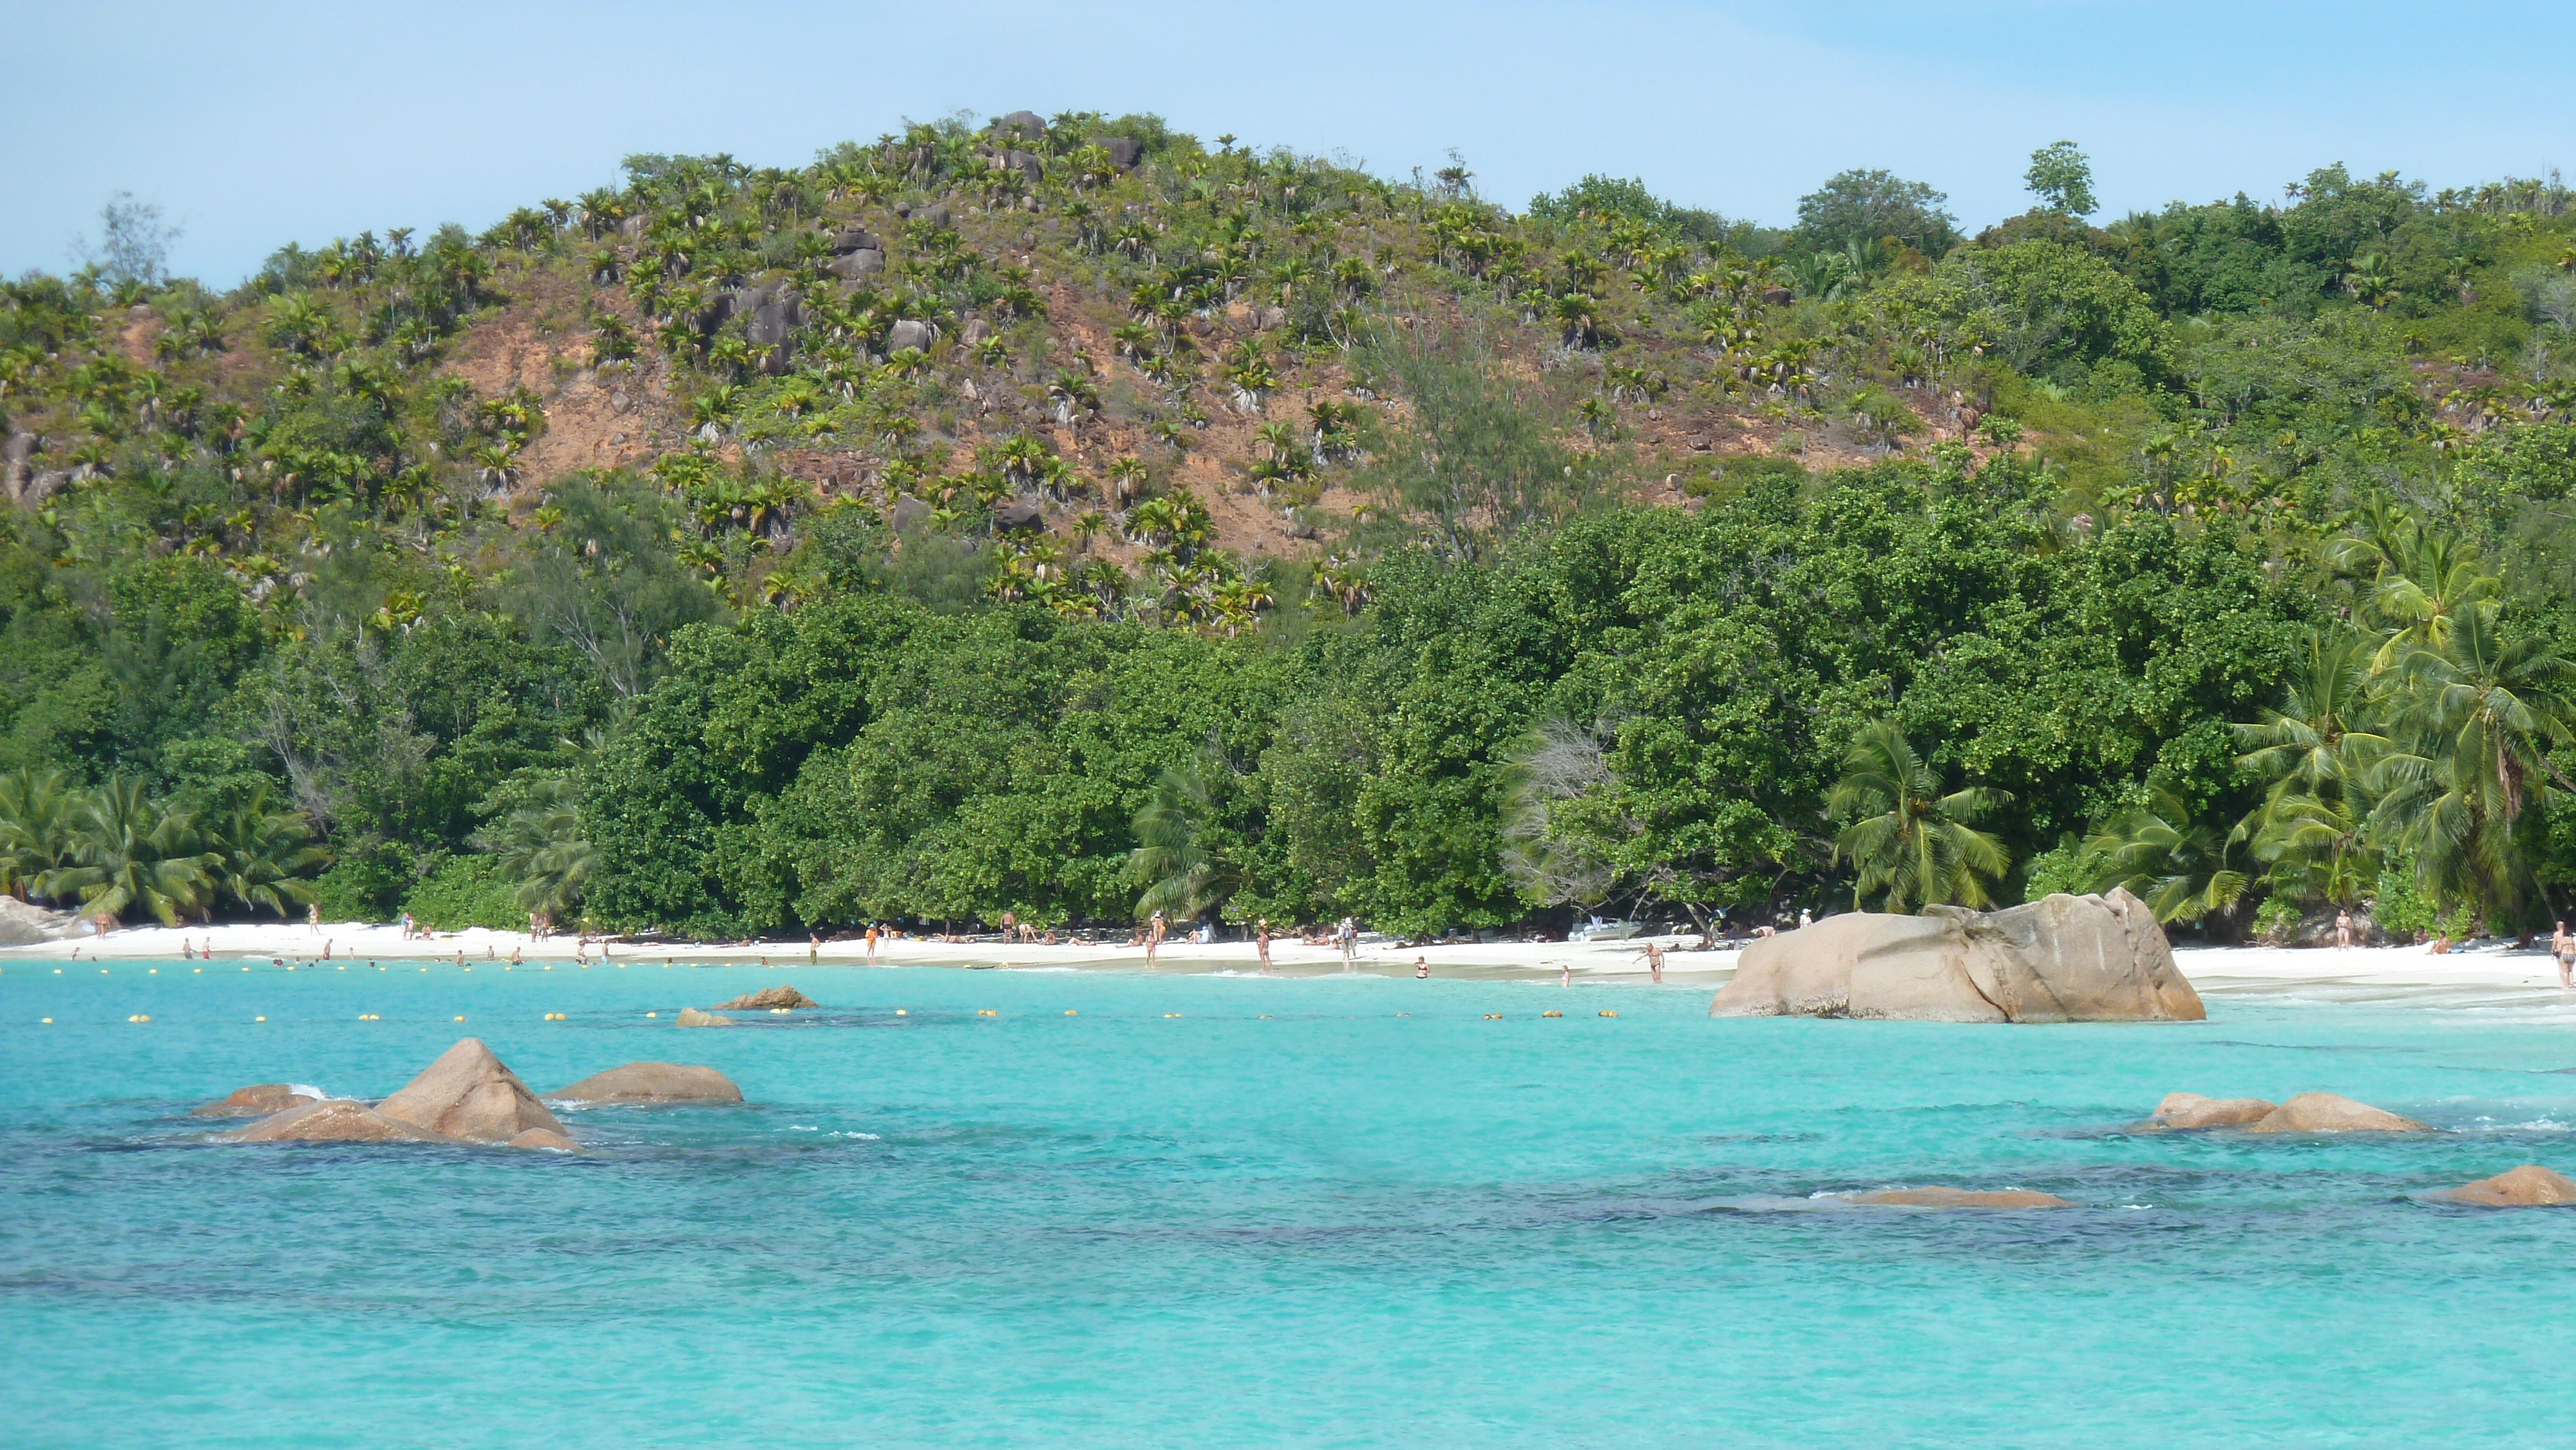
(466, 1097)
(2059, 959)
(767, 999)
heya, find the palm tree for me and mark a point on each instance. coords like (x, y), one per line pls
(2317, 752)
(1185, 874)
(2157, 853)
(261, 855)
(132, 852)
(541, 846)
(1912, 843)
(36, 815)
(2474, 718)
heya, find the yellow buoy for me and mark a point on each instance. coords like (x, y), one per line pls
(652, 1014)
(1609, 1014)
(1069, 1012)
(1551, 1012)
(151, 971)
(259, 1019)
(899, 1012)
(49, 1022)
(987, 1012)
(460, 1019)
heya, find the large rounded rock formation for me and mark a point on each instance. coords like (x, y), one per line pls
(652, 1082)
(2191, 1110)
(2060, 959)
(468, 1094)
(2529, 1186)
(2327, 1113)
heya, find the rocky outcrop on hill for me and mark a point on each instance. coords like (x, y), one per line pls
(2529, 1186)
(256, 1101)
(468, 1094)
(2327, 1113)
(2060, 959)
(766, 998)
(652, 1082)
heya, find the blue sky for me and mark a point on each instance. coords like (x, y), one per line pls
(255, 126)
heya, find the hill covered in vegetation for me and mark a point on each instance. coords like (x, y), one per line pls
(1070, 518)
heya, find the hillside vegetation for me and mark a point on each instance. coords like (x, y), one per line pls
(1069, 518)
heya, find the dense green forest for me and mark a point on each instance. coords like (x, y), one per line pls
(1067, 517)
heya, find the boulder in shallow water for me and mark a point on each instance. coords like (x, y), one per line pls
(766, 998)
(692, 1017)
(2059, 959)
(2327, 1113)
(2191, 1110)
(1959, 1198)
(333, 1120)
(468, 1094)
(256, 1101)
(545, 1138)
(2529, 1186)
(652, 1082)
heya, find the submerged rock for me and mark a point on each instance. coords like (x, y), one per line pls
(468, 1094)
(545, 1138)
(2191, 1110)
(2529, 1186)
(2327, 1113)
(2060, 959)
(652, 1082)
(256, 1101)
(766, 998)
(692, 1017)
(334, 1120)
(1959, 1198)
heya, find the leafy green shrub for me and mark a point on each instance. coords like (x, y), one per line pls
(464, 891)
(366, 883)
(2276, 918)
(2400, 908)
(2069, 867)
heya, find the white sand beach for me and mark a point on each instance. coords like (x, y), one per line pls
(2479, 970)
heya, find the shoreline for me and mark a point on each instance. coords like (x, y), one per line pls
(2490, 968)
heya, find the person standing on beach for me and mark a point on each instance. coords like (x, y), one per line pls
(2343, 931)
(1349, 938)
(1421, 969)
(1565, 974)
(872, 943)
(1154, 937)
(313, 917)
(2562, 948)
(1261, 942)
(1805, 920)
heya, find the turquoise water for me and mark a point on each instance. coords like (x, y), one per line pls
(1333, 1226)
